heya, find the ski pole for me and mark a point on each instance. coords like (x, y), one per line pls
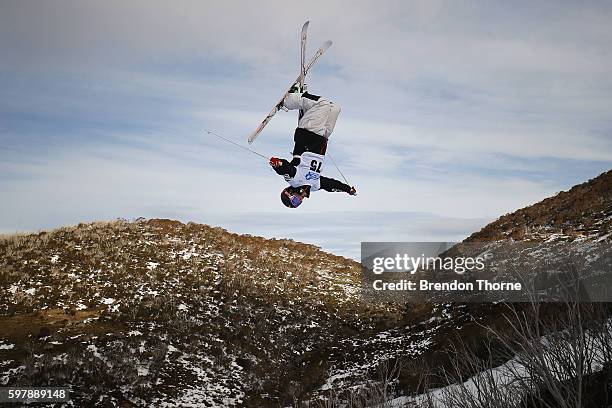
(235, 144)
(337, 168)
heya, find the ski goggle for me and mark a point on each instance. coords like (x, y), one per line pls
(295, 200)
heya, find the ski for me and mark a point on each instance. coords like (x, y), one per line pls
(302, 62)
(303, 53)
(276, 108)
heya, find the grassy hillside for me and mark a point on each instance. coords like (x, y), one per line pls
(162, 312)
(585, 211)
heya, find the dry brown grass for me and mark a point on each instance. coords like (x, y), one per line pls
(248, 299)
(584, 206)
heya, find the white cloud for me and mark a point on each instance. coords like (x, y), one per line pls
(110, 100)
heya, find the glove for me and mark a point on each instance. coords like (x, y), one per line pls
(353, 191)
(275, 162)
(281, 106)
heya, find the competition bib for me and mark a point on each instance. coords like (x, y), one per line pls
(308, 172)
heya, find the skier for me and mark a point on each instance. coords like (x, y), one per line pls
(303, 173)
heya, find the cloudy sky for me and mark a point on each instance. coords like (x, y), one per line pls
(453, 112)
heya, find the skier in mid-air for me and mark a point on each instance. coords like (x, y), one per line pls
(303, 173)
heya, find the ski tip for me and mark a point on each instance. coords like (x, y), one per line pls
(327, 44)
(306, 23)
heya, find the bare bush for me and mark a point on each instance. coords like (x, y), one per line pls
(550, 361)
